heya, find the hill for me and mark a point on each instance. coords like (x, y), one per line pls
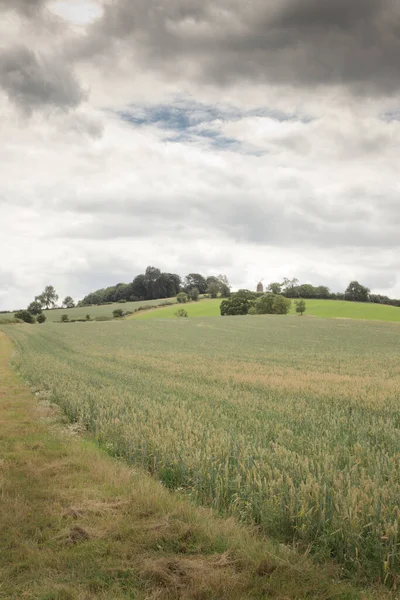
(331, 309)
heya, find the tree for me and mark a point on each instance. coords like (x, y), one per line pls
(35, 308)
(290, 287)
(357, 292)
(48, 297)
(25, 316)
(275, 288)
(139, 287)
(213, 289)
(182, 298)
(68, 302)
(41, 318)
(265, 304)
(238, 304)
(272, 304)
(194, 294)
(300, 307)
(281, 305)
(195, 280)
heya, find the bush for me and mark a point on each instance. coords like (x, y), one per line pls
(238, 304)
(103, 319)
(118, 313)
(300, 307)
(87, 318)
(252, 310)
(272, 304)
(182, 298)
(25, 316)
(181, 312)
(282, 305)
(64, 318)
(194, 294)
(41, 318)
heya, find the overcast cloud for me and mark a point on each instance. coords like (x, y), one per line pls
(255, 139)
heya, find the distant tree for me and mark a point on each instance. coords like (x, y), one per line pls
(64, 318)
(238, 304)
(182, 298)
(275, 288)
(282, 305)
(195, 280)
(357, 292)
(323, 291)
(300, 307)
(212, 289)
(41, 318)
(48, 297)
(181, 312)
(290, 287)
(139, 287)
(68, 302)
(35, 307)
(25, 316)
(194, 294)
(118, 313)
(272, 304)
(265, 304)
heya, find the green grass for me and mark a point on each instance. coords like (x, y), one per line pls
(287, 422)
(317, 308)
(78, 525)
(97, 311)
(202, 308)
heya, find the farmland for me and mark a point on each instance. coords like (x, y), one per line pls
(317, 308)
(286, 422)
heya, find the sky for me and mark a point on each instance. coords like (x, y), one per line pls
(256, 139)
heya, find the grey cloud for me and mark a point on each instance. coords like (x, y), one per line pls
(297, 42)
(25, 7)
(32, 81)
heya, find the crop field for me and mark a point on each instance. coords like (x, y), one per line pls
(316, 308)
(286, 422)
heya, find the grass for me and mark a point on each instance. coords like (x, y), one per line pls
(317, 308)
(288, 423)
(76, 524)
(106, 310)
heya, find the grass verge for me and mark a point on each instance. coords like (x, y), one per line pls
(78, 525)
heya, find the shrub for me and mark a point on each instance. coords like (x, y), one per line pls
(181, 312)
(252, 310)
(238, 304)
(118, 313)
(194, 294)
(182, 298)
(87, 318)
(300, 307)
(25, 316)
(282, 305)
(41, 318)
(265, 304)
(64, 318)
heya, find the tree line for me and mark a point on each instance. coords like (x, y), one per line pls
(154, 284)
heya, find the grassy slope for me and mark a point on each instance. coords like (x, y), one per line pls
(77, 525)
(96, 311)
(317, 308)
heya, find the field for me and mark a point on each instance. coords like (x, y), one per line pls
(316, 308)
(286, 422)
(106, 310)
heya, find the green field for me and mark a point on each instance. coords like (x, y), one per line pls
(286, 422)
(106, 310)
(317, 308)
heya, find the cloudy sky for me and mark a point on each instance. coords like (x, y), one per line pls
(257, 139)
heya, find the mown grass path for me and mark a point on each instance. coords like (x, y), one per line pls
(78, 525)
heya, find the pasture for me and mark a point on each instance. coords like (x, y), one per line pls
(105, 310)
(316, 308)
(286, 422)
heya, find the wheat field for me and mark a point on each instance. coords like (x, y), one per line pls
(289, 423)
